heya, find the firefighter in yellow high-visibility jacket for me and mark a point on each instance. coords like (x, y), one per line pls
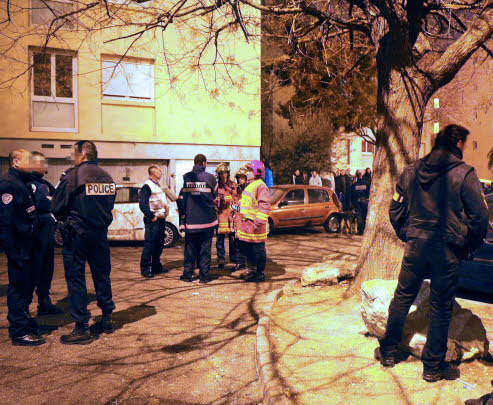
(252, 227)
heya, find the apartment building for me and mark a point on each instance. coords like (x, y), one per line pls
(144, 102)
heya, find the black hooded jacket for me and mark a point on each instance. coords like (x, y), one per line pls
(439, 197)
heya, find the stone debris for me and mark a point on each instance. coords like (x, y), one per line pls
(467, 335)
(329, 272)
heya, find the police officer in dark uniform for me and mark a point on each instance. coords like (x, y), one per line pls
(84, 200)
(360, 196)
(43, 261)
(18, 222)
(198, 218)
(440, 211)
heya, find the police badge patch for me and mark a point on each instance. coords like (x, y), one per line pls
(7, 198)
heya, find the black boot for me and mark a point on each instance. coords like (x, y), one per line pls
(254, 277)
(79, 336)
(28, 340)
(46, 307)
(238, 267)
(247, 274)
(107, 324)
(387, 360)
(220, 264)
(445, 372)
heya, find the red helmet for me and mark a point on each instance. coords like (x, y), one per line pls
(258, 168)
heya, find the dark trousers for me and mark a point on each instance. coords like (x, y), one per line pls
(425, 259)
(150, 262)
(93, 247)
(234, 251)
(255, 254)
(198, 247)
(20, 281)
(43, 259)
(361, 214)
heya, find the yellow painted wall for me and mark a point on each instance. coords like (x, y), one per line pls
(200, 106)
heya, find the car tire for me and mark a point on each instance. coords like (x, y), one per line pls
(170, 235)
(270, 227)
(57, 237)
(333, 224)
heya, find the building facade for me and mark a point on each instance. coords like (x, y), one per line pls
(467, 100)
(141, 103)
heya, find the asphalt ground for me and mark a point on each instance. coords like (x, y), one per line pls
(175, 342)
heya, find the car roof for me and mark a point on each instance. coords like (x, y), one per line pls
(305, 186)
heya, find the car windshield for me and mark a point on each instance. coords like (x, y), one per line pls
(275, 193)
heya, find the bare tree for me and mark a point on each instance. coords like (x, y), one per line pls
(418, 46)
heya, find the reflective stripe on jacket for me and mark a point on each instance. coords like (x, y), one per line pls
(254, 212)
(226, 194)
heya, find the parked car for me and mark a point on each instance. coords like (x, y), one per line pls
(300, 206)
(476, 273)
(128, 219)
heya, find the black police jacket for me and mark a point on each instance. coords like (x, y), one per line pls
(42, 191)
(196, 201)
(85, 195)
(439, 197)
(18, 216)
(360, 192)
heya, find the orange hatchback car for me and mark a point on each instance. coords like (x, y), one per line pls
(300, 206)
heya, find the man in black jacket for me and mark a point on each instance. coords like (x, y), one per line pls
(43, 261)
(18, 223)
(84, 201)
(198, 218)
(440, 211)
(360, 197)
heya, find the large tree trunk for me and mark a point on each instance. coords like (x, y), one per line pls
(402, 102)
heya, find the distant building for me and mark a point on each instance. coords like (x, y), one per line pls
(136, 107)
(352, 152)
(467, 100)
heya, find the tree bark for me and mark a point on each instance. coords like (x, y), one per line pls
(402, 103)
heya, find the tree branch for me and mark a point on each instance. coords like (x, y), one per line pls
(457, 54)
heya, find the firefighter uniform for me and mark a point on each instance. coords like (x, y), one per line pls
(18, 224)
(198, 218)
(360, 195)
(84, 201)
(43, 261)
(226, 195)
(439, 211)
(252, 228)
(153, 204)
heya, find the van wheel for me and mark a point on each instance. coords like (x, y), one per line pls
(170, 235)
(333, 224)
(270, 227)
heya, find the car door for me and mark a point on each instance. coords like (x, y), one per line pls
(319, 206)
(477, 274)
(128, 221)
(292, 209)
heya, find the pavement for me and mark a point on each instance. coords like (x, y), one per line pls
(324, 355)
(175, 343)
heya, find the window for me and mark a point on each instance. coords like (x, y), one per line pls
(367, 147)
(295, 197)
(45, 11)
(53, 94)
(127, 195)
(128, 80)
(318, 196)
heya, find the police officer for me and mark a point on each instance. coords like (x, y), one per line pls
(360, 196)
(198, 218)
(43, 261)
(440, 211)
(18, 222)
(226, 195)
(84, 200)
(154, 206)
(252, 227)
